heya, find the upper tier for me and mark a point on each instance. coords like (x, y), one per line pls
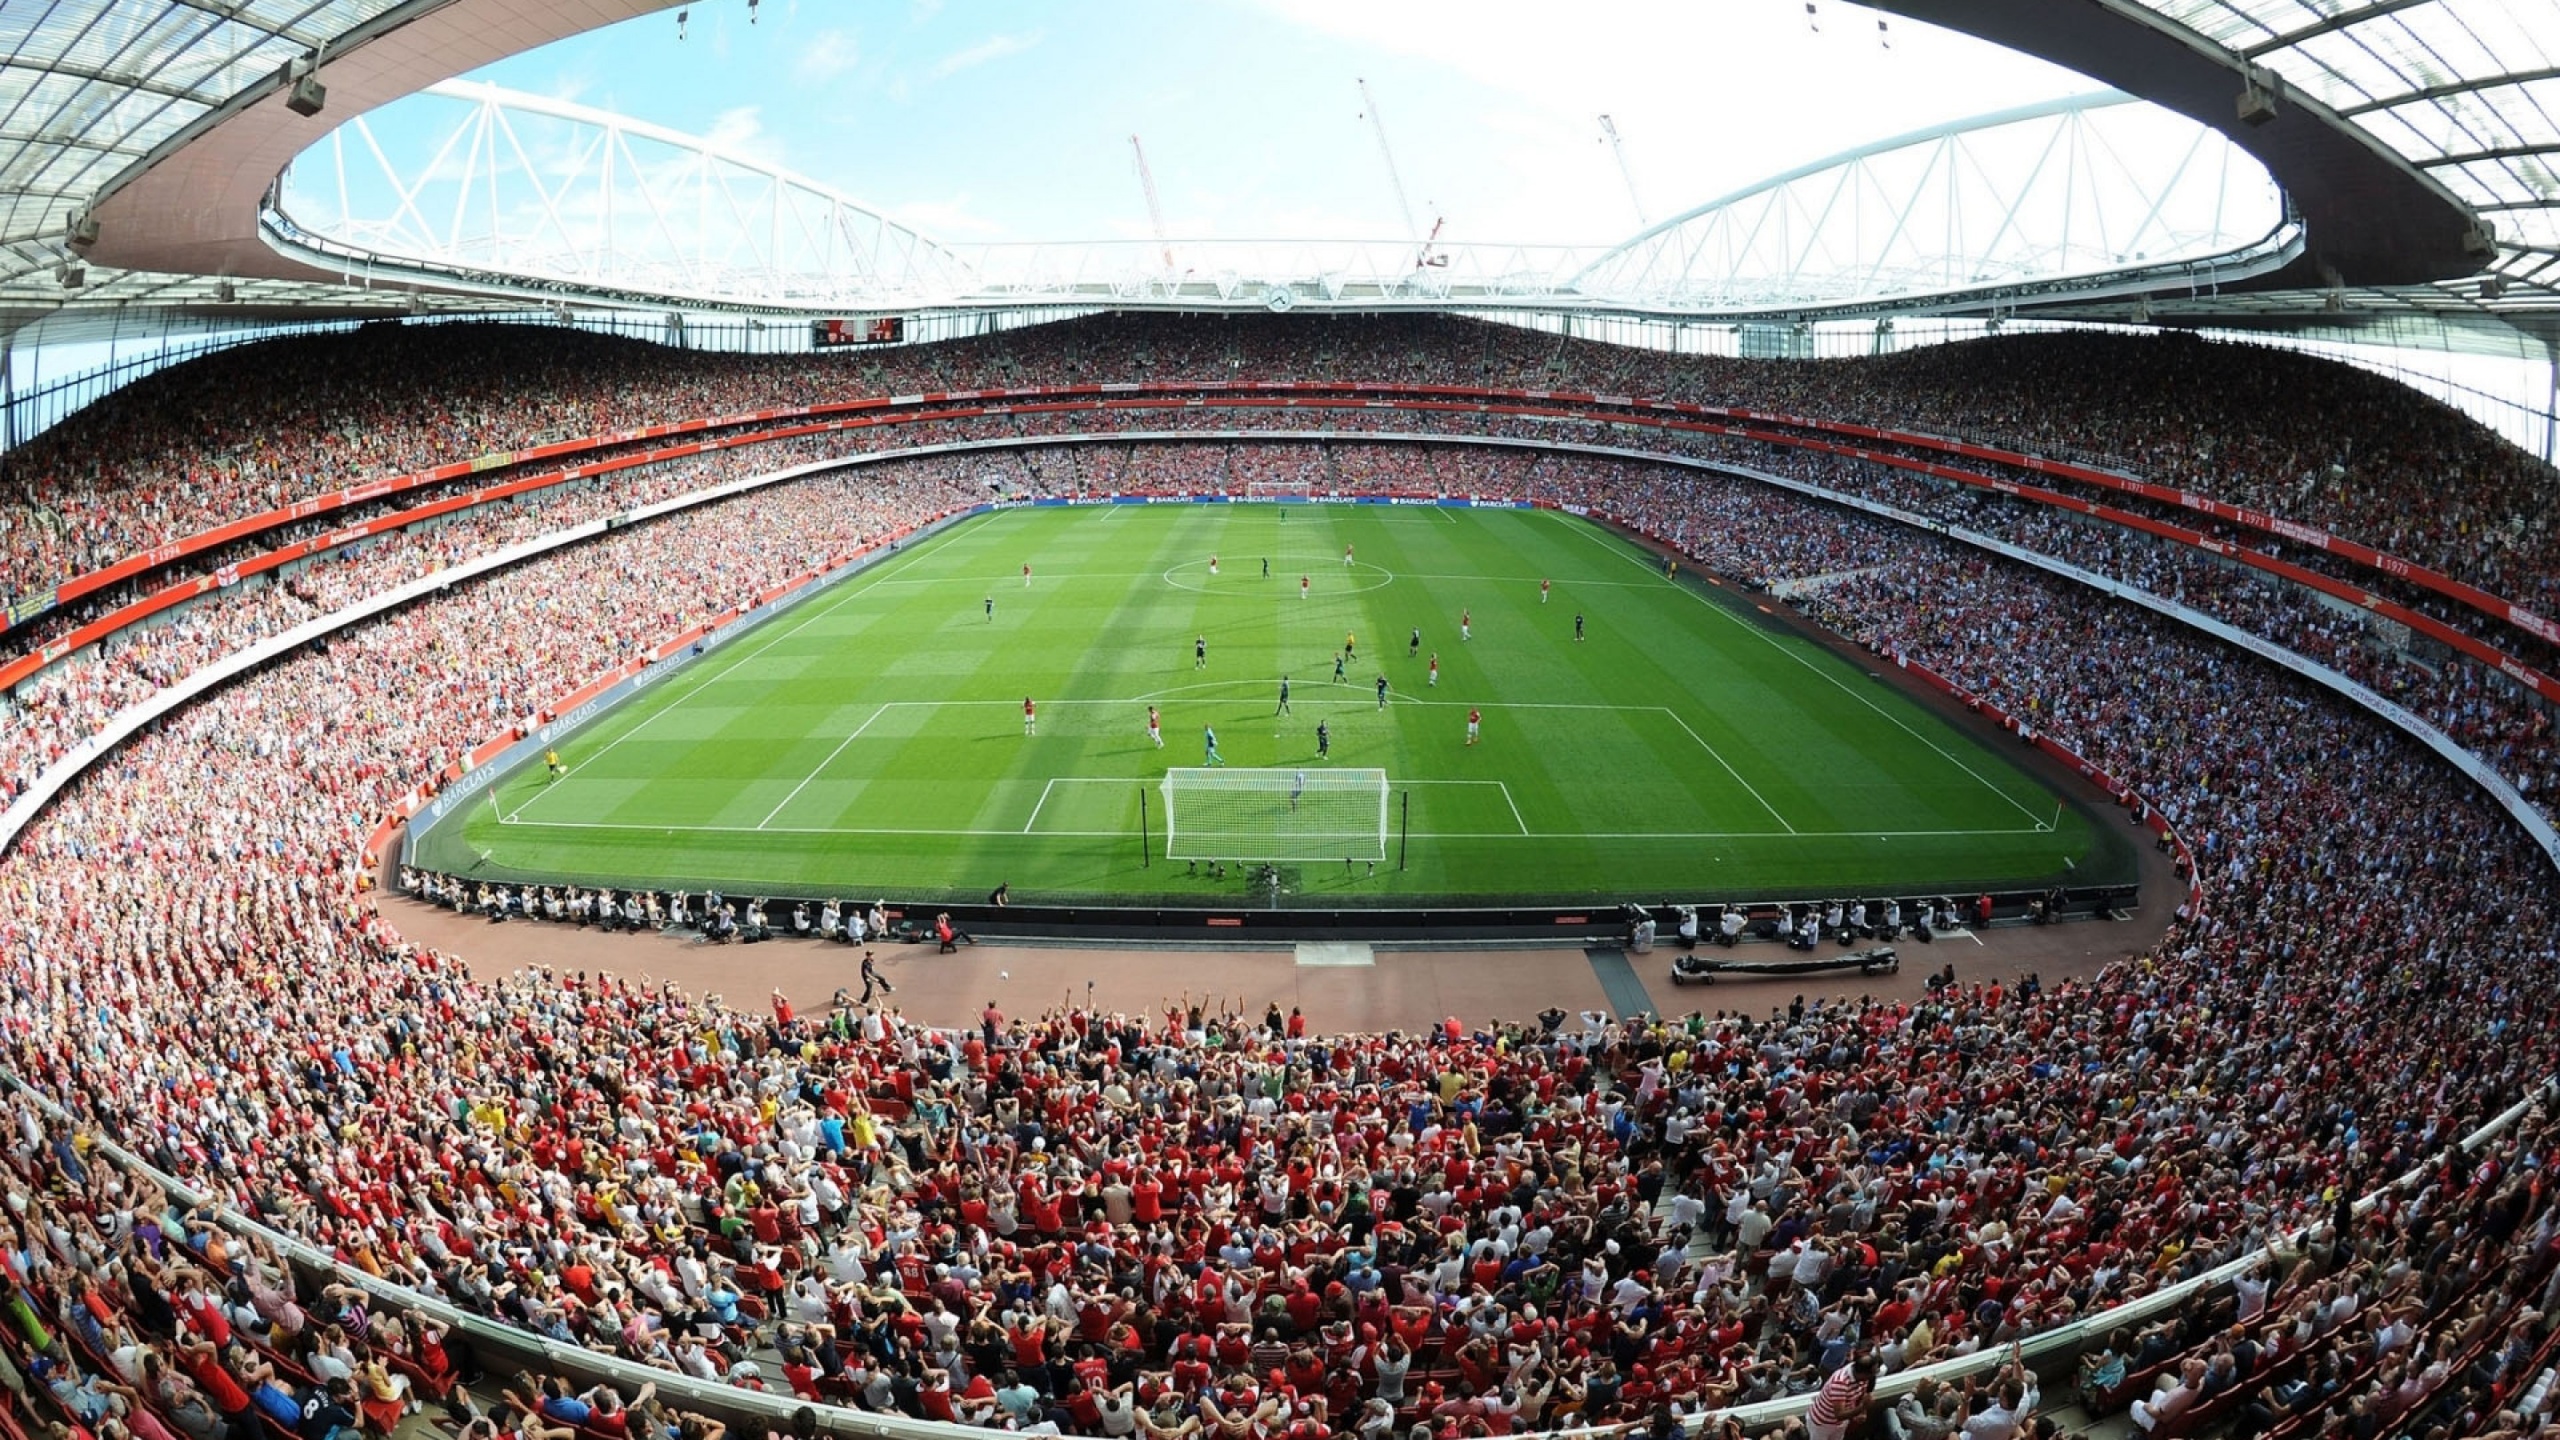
(253, 428)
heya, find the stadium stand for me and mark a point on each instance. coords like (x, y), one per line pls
(1194, 1221)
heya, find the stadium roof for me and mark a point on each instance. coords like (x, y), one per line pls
(2420, 138)
(2465, 89)
(2414, 138)
(166, 120)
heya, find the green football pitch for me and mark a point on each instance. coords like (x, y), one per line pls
(870, 739)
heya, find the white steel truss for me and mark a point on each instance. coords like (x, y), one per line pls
(1278, 273)
(477, 188)
(473, 180)
(2090, 192)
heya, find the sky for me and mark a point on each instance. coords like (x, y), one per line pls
(1005, 121)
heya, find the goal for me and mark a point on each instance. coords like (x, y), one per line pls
(1227, 814)
(1281, 490)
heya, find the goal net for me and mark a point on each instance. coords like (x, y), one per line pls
(1224, 814)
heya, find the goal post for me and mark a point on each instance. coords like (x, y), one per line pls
(1275, 814)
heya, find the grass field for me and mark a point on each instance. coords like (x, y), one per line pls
(870, 739)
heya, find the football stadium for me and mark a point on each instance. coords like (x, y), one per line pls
(1809, 718)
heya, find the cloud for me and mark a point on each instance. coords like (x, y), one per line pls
(994, 47)
(949, 219)
(827, 55)
(741, 130)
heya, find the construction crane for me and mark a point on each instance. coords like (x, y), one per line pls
(1404, 207)
(1155, 208)
(1617, 148)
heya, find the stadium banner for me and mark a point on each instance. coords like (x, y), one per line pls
(122, 726)
(26, 667)
(30, 605)
(2434, 629)
(2126, 483)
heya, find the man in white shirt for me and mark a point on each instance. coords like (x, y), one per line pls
(1630, 1291)
(2011, 1405)
(2174, 1400)
(1813, 1265)
(1751, 1229)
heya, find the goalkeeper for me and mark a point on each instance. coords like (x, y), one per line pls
(1209, 744)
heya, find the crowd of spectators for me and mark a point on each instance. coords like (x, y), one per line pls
(265, 425)
(2491, 714)
(1454, 1195)
(1190, 1220)
(46, 717)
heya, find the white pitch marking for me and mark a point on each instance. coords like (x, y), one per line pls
(822, 765)
(1728, 768)
(1122, 834)
(1604, 540)
(1036, 804)
(679, 703)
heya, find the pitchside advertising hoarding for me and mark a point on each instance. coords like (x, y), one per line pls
(1463, 502)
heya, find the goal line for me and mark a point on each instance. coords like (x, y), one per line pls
(1218, 813)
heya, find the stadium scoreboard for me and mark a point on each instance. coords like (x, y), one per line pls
(877, 330)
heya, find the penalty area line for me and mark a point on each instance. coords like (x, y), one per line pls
(1728, 768)
(822, 765)
(1624, 551)
(872, 579)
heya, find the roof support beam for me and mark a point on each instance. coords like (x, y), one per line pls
(237, 12)
(2340, 21)
(2451, 87)
(103, 77)
(2503, 152)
